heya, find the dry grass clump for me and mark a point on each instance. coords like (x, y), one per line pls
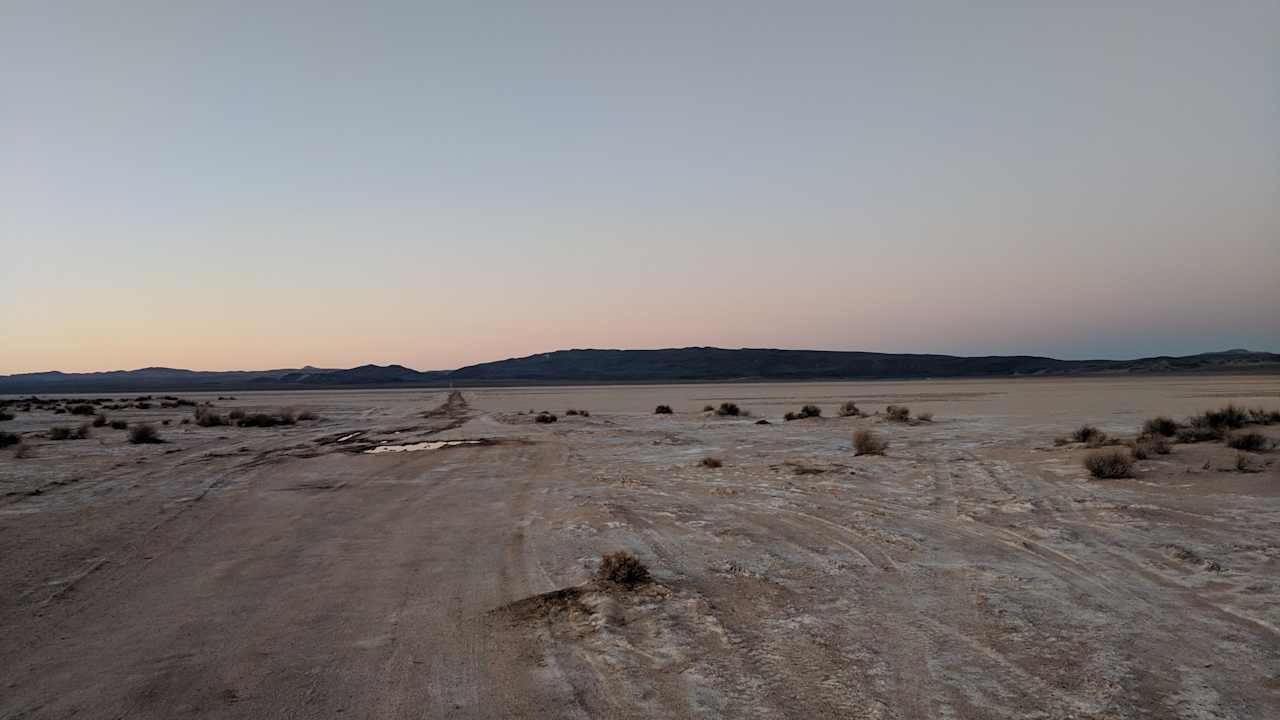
(81, 409)
(1088, 435)
(712, 462)
(1161, 425)
(708, 408)
(283, 417)
(1250, 441)
(545, 418)
(898, 413)
(807, 411)
(207, 417)
(580, 413)
(144, 434)
(119, 425)
(1110, 464)
(622, 568)
(1149, 445)
(866, 442)
(662, 410)
(99, 420)
(1259, 416)
(236, 414)
(62, 432)
(850, 409)
(8, 438)
(305, 415)
(728, 409)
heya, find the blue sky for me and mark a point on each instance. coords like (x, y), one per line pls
(221, 185)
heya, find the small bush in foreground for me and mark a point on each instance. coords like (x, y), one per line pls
(545, 418)
(807, 411)
(1110, 465)
(206, 417)
(898, 413)
(1259, 416)
(8, 438)
(622, 568)
(1198, 432)
(306, 415)
(99, 420)
(5, 416)
(1250, 441)
(1150, 445)
(1160, 426)
(285, 417)
(144, 434)
(866, 442)
(62, 432)
(850, 409)
(662, 410)
(81, 409)
(119, 425)
(236, 414)
(1229, 418)
(728, 409)
(712, 462)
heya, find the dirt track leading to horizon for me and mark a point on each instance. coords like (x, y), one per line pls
(972, 572)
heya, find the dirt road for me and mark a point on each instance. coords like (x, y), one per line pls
(264, 573)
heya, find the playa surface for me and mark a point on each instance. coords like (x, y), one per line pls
(973, 571)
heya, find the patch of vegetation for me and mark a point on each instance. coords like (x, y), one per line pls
(728, 409)
(8, 438)
(545, 418)
(284, 417)
(712, 462)
(898, 413)
(207, 417)
(622, 568)
(807, 411)
(1245, 465)
(762, 421)
(99, 420)
(1259, 416)
(850, 409)
(1225, 418)
(144, 434)
(306, 415)
(1161, 425)
(1110, 464)
(5, 416)
(662, 410)
(119, 425)
(1088, 435)
(62, 432)
(81, 409)
(1250, 441)
(581, 413)
(866, 442)
(22, 450)
(237, 414)
(1149, 445)
(708, 408)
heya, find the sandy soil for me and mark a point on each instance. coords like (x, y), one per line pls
(972, 572)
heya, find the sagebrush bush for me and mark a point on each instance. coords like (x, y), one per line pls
(1260, 416)
(143, 434)
(728, 409)
(866, 442)
(712, 462)
(99, 420)
(1225, 418)
(622, 568)
(236, 414)
(850, 409)
(1250, 441)
(62, 432)
(305, 415)
(8, 438)
(119, 425)
(1110, 465)
(662, 410)
(81, 409)
(898, 413)
(807, 411)
(1151, 445)
(707, 408)
(1167, 427)
(208, 417)
(545, 417)
(5, 415)
(1088, 434)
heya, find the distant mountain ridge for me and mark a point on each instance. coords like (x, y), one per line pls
(692, 364)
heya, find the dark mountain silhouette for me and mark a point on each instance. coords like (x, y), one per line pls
(638, 366)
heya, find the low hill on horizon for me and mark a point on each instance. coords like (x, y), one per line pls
(692, 364)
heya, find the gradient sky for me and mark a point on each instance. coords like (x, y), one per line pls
(252, 185)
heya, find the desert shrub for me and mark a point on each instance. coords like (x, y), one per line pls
(237, 414)
(1151, 445)
(866, 442)
(1088, 434)
(762, 421)
(1262, 416)
(1228, 418)
(184, 403)
(288, 416)
(206, 417)
(265, 420)
(99, 420)
(807, 411)
(1160, 426)
(545, 417)
(81, 409)
(144, 434)
(1251, 441)
(60, 411)
(5, 415)
(570, 412)
(1197, 431)
(712, 462)
(119, 424)
(305, 415)
(60, 432)
(850, 409)
(728, 409)
(142, 405)
(789, 416)
(622, 568)
(1110, 464)
(662, 410)
(924, 417)
(898, 413)
(708, 408)
(8, 438)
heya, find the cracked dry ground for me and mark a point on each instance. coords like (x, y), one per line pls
(246, 573)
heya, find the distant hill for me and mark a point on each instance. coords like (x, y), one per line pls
(695, 364)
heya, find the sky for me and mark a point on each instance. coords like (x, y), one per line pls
(233, 185)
